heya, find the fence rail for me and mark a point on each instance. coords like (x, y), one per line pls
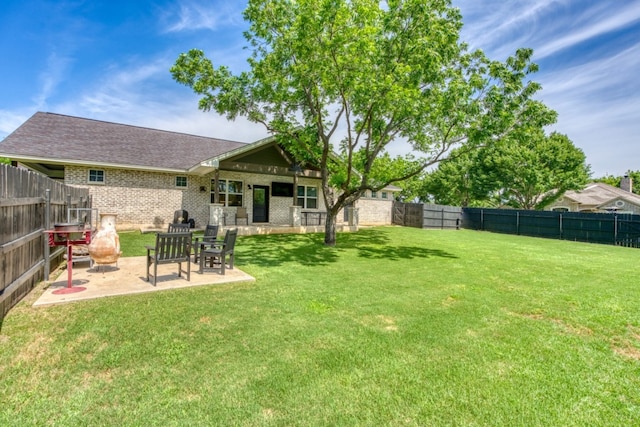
(29, 204)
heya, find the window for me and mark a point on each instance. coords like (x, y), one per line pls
(181, 181)
(96, 176)
(307, 197)
(384, 194)
(230, 192)
(374, 194)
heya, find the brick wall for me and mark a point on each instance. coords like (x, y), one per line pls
(142, 199)
(149, 199)
(374, 211)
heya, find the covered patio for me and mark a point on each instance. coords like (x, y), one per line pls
(252, 229)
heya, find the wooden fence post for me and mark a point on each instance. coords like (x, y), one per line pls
(47, 226)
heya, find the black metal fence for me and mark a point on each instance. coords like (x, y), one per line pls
(613, 229)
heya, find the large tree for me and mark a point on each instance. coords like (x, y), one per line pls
(526, 170)
(531, 170)
(352, 76)
(452, 183)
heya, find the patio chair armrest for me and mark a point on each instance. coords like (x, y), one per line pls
(203, 239)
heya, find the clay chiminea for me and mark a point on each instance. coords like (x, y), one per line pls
(105, 245)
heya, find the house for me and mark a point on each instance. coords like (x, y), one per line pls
(600, 197)
(144, 175)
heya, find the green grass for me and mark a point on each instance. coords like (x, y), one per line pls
(394, 326)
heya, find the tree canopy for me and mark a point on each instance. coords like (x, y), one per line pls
(527, 170)
(616, 180)
(352, 77)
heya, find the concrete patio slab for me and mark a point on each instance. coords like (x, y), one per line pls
(129, 277)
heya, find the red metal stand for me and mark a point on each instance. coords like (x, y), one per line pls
(64, 238)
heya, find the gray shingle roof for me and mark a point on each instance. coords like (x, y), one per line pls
(599, 194)
(66, 138)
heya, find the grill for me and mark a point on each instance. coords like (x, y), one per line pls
(69, 234)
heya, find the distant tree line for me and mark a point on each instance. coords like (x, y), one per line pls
(615, 180)
(527, 170)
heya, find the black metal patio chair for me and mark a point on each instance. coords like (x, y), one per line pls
(206, 241)
(218, 252)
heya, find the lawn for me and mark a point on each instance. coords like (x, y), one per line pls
(394, 326)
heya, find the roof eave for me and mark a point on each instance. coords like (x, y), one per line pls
(70, 162)
(214, 162)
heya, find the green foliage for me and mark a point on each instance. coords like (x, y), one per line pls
(476, 327)
(454, 182)
(527, 170)
(350, 77)
(531, 170)
(5, 160)
(615, 180)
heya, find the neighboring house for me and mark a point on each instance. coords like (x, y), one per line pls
(144, 175)
(599, 197)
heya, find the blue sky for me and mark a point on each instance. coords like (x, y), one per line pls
(109, 60)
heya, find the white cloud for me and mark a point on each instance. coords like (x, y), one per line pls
(186, 118)
(143, 94)
(50, 78)
(11, 120)
(548, 26)
(590, 80)
(192, 15)
(48, 81)
(596, 26)
(499, 26)
(598, 104)
(595, 76)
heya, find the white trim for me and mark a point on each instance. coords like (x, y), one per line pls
(226, 193)
(186, 182)
(306, 197)
(104, 177)
(214, 162)
(89, 164)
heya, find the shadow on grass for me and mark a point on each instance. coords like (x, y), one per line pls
(278, 249)
(309, 249)
(403, 252)
(375, 244)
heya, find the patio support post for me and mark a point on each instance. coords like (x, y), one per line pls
(47, 226)
(295, 213)
(353, 216)
(216, 189)
(216, 214)
(295, 189)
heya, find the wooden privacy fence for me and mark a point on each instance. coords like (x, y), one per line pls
(29, 204)
(426, 215)
(607, 228)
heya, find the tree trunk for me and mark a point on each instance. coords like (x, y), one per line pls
(330, 228)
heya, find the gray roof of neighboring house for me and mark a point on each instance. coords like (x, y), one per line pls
(599, 194)
(67, 139)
